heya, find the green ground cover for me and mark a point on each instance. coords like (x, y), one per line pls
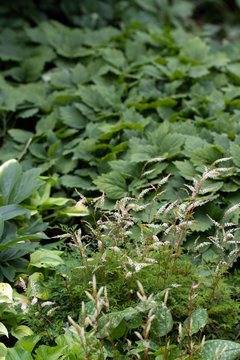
(134, 101)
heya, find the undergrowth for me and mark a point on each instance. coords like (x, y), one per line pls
(127, 289)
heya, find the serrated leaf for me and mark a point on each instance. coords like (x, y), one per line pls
(186, 169)
(73, 181)
(202, 222)
(113, 56)
(113, 184)
(21, 136)
(206, 155)
(195, 50)
(235, 153)
(72, 117)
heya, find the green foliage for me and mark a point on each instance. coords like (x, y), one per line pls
(89, 108)
(10, 317)
(113, 100)
(23, 200)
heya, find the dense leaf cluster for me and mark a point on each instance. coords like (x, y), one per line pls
(93, 106)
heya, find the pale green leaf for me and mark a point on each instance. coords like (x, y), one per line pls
(46, 258)
(21, 331)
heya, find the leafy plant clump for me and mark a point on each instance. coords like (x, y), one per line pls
(91, 107)
(108, 97)
(126, 289)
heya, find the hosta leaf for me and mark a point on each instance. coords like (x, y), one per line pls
(5, 293)
(3, 351)
(46, 258)
(18, 353)
(113, 184)
(44, 352)
(77, 210)
(11, 211)
(212, 346)
(3, 329)
(10, 172)
(21, 331)
(25, 186)
(29, 342)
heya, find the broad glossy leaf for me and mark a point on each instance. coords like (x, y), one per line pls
(8, 212)
(232, 351)
(10, 172)
(76, 210)
(6, 293)
(18, 353)
(25, 186)
(46, 258)
(51, 353)
(29, 342)
(21, 331)
(3, 329)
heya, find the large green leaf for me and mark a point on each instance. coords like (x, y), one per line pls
(51, 353)
(10, 173)
(18, 353)
(8, 212)
(113, 184)
(212, 347)
(199, 320)
(46, 258)
(25, 186)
